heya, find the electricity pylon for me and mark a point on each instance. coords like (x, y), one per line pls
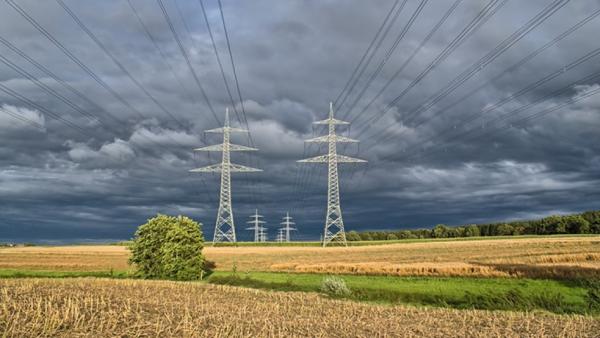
(263, 236)
(287, 223)
(334, 223)
(280, 236)
(258, 228)
(224, 226)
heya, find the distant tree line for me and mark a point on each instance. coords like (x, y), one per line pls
(584, 223)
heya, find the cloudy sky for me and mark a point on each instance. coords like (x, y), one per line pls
(467, 111)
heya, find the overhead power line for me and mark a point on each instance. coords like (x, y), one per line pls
(219, 62)
(387, 56)
(187, 59)
(367, 52)
(504, 72)
(476, 67)
(487, 12)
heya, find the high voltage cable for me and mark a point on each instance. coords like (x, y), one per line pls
(73, 58)
(411, 57)
(535, 85)
(510, 69)
(358, 66)
(53, 76)
(187, 59)
(67, 86)
(387, 56)
(523, 120)
(479, 65)
(46, 88)
(487, 12)
(220, 64)
(82, 65)
(22, 119)
(370, 57)
(563, 90)
(237, 85)
(487, 59)
(123, 69)
(160, 50)
(55, 116)
(482, 17)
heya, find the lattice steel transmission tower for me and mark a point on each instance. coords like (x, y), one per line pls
(280, 236)
(224, 226)
(334, 223)
(257, 228)
(263, 236)
(287, 226)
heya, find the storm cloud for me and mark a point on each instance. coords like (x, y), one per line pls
(519, 138)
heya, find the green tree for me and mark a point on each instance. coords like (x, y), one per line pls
(471, 231)
(576, 224)
(504, 229)
(365, 236)
(168, 247)
(391, 237)
(352, 236)
(440, 231)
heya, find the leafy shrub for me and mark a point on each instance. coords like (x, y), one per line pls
(168, 247)
(335, 287)
(592, 298)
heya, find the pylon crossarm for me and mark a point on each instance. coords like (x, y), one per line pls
(331, 121)
(213, 168)
(220, 147)
(238, 168)
(316, 159)
(348, 159)
(334, 138)
(224, 129)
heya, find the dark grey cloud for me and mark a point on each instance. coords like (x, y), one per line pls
(292, 58)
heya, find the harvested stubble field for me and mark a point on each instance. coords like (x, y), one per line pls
(554, 257)
(103, 307)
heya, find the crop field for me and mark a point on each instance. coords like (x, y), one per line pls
(550, 257)
(518, 287)
(102, 307)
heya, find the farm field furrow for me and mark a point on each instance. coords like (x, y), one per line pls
(102, 307)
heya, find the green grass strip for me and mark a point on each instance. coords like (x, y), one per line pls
(461, 293)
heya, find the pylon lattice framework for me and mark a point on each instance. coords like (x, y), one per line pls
(287, 226)
(257, 226)
(224, 225)
(334, 223)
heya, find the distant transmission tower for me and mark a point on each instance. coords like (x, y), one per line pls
(258, 228)
(225, 227)
(334, 223)
(263, 236)
(280, 236)
(287, 226)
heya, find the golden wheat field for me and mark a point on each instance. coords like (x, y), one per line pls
(519, 257)
(132, 308)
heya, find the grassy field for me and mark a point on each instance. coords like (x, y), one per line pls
(104, 307)
(455, 292)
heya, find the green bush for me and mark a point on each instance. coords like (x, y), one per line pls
(592, 298)
(168, 247)
(335, 287)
